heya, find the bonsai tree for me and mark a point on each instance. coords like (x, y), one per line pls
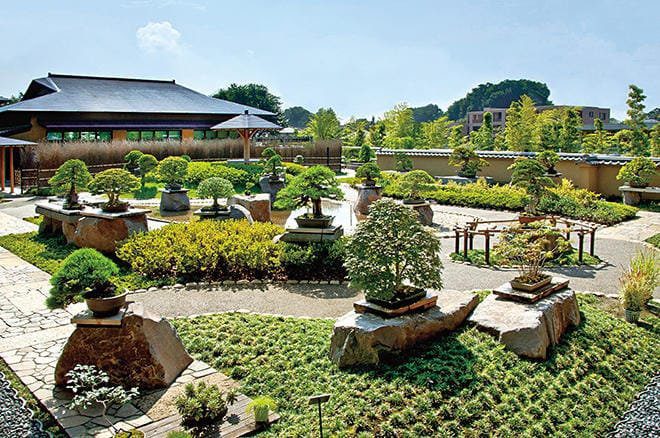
(530, 175)
(146, 164)
(299, 159)
(172, 171)
(637, 284)
(91, 389)
(548, 159)
(83, 270)
(466, 159)
(203, 404)
(261, 407)
(639, 172)
(214, 188)
(414, 183)
(402, 162)
(71, 176)
(365, 154)
(272, 163)
(132, 158)
(391, 256)
(114, 182)
(369, 172)
(308, 188)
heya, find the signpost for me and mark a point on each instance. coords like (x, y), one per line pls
(318, 399)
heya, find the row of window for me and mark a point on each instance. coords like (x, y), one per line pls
(153, 135)
(79, 135)
(142, 135)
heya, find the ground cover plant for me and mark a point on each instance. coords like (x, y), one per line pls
(570, 258)
(462, 384)
(654, 240)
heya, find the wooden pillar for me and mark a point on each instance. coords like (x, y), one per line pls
(487, 247)
(592, 241)
(580, 246)
(2, 167)
(457, 245)
(465, 243)
(11, 168)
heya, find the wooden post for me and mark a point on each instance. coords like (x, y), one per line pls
(471, 241)
(465, 243)
(487, 247)
(11, 168)
(592, 243)
(2, 167)
(568, 232)
(457, 243)
(246, 144)
(580, 246)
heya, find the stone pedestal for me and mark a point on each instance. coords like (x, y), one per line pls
(312, 234)
(529, 330)
(174, 200)
(366, 196)
(367, 339)
(270, 186)
(424, 212)
(143, 350)
(233, 212)
(258, 205)
(633, 195)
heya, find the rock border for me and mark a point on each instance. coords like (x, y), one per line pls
(34, 422)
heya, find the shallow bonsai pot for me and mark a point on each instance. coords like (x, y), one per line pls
(397, 302)
(530, 287)
(119, 208)
(304, 221)
(106, 306)
(415, 201)
(632, 316)
(369, 183)
(467, 175)
(638, 185)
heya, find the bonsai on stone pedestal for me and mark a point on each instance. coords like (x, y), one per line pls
(70, 176)
(172, 171)
(272, 180)
(413, 185)
(368, 191)
(214, 188)
(114, 182)
(468, 162)
(392, 257)
(638, 173)
(530, 175)
(548, 160)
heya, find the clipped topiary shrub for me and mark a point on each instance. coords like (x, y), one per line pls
(215, 188)
(639, 172)
(314, 261)
(199, 171)
(172, 171)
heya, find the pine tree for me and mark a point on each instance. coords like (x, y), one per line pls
(639, 142)
(456, 137)
(483, 139)
(655, 140)
(569, 133)
(520, 130)
(597, 143)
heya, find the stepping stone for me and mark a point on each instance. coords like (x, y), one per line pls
(366, 339)
(529, 330)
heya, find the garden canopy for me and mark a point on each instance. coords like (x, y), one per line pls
(246, 125)
(9, 144)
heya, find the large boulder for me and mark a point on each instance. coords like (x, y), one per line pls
(367, 339)
(528, 330)
(258, 205)
(271, 186)
(424, 212)
(103, 233)
(144, 351)
(367, 195)
(174, 200)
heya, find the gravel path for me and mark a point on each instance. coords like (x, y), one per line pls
(643, 418)
(15, 418)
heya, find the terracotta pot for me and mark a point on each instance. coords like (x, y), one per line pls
(107, 306)
(530, 287)
(314, 222)
(632, 316)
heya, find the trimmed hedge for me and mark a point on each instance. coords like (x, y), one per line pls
(199, 171)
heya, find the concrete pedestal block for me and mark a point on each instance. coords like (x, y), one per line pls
(258, 205)
(174, 200)
(424, 212)
(271, 186)
(366, 196)
(233, 212)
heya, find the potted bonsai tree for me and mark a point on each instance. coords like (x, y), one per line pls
(548, 160)
(114, 182)
(86, 273)
(637, 284)
(413, 184)
(71, 176)
(392, 257)
(308, 188)
(530, 174)
(528, 249)
(261, 407)
(172, 171)
(402, 162)
(214, 188)
(466, 159)
(132, 161)
(272, 164)
(639, 172)
(369, 172)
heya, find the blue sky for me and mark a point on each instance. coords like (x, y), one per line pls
(359, 57)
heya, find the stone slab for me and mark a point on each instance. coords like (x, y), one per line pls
(312, 234)
(174, 200)
(367, 339)
(424, 212)
(529, 330)
(258, 205)
(507, 291)
(364, 306)
(87, 318)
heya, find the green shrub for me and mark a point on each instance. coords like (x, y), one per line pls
(415, 183)
(82, 270)
(172, 171)
(639, 280)
(314, 261)
(208, 250)
(465, 158)
(294, 168)
(639, 172)
(366, 154)
(252, 169)
(132, 159)
(179, 434)
(199, 171)
(368, 171)
(214, 188)
(203, 404)
(402, 161)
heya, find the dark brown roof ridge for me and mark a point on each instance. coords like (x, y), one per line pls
(109, 78)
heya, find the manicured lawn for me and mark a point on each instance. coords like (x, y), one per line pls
(47, 253)
(478, 257)
(463, 384)
(654, 240)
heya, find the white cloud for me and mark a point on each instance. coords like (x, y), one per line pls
(160, 36)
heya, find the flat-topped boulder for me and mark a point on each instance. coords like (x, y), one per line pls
(529, 330)
(367, 339)
(367, 195)
(258, 205)
(174, 200)
(143, 350)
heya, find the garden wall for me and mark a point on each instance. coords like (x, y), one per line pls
(596, 172)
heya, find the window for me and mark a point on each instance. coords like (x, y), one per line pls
(153, 135)
(53, 136)
(71, 136)
(79, 135)
(591, 113)
(199, 134)
(601, 116)
(133, 135)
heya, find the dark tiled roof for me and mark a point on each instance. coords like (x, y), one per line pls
(5, 141)
(585, 158)
(246, 121)
(64, 93)
(4, 99)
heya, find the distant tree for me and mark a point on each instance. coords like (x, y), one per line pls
(483, 139)
(621, 140)
(499, 95)
(456, 137)
(639, 141)
(654, 114)
(402, 161)
(354, 132)
(655, 140)
(548, 125)
(598, 142)
(255, 95)
(569, 134)
(520, 129)
(16, 98)
(297, 117)
(366, 154)
(399, 127)
(377, 134)
(324, 125)
(435, 134)
(499, 143)
(427, 113)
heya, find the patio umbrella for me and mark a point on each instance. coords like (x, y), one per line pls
(9, 145)
(246, 125)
